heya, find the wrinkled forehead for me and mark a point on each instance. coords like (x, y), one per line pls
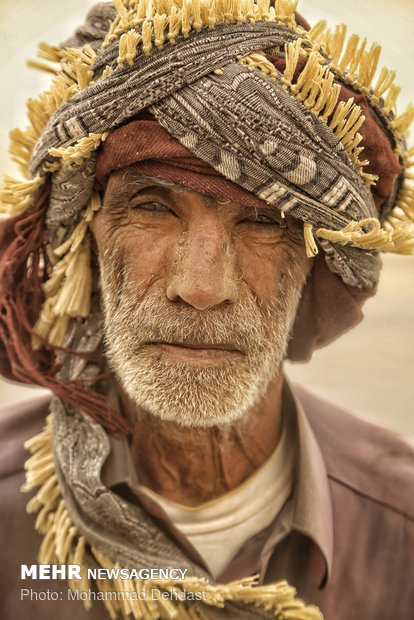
(130, 179)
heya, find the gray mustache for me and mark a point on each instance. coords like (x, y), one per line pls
(151, 322)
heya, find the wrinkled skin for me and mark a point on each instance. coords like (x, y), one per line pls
(194, 252)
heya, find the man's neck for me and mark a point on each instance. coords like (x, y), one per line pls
(191, 466)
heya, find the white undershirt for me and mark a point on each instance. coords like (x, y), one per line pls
(220, 527)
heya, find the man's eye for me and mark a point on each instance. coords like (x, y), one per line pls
(261, 219)
(154, 207)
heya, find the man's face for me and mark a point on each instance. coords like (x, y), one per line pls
(198, 297)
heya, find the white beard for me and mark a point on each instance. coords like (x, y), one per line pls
(191, 395)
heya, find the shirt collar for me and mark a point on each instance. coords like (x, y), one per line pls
(312, 508)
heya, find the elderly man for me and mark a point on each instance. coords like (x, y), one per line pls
(211, 183)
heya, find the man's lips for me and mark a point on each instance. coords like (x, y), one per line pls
(197, 352)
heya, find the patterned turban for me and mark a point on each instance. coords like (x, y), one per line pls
(235, 98)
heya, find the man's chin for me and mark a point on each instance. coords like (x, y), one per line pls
(192, 418)
(189, 416)
(193, 395)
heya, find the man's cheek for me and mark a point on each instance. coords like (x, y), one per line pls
(144, 260)
(267, 271)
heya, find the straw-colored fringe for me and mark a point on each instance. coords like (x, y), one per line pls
(153, 22)
(41, 66)
(63, 544)
(367, 234)
(74, 62)
(68, 290)
(401, 124)
(75, 74)
(315, 88)
(358, 66)
(353, 233)
(38, 112)
(81, 150)
(310, 244)
(18, 196)
(49, 53)
(395, 235)
(400, 222)
(260, 61)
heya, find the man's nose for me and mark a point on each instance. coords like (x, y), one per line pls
(204, 271)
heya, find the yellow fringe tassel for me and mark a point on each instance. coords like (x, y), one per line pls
(68, 289)
(357, 66)
(16, 197)
(48, 52)
(260, 61)
(391, 99)
(285, 12)
(41, 66)
(316, 89)
(158, 21)
(21, 147)
(310, 244)
(386, 239)
(63, 544)
(128, 48)
(71, 54)
(403, 122)
(81, 150)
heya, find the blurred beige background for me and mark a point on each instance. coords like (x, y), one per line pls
(370, 369)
